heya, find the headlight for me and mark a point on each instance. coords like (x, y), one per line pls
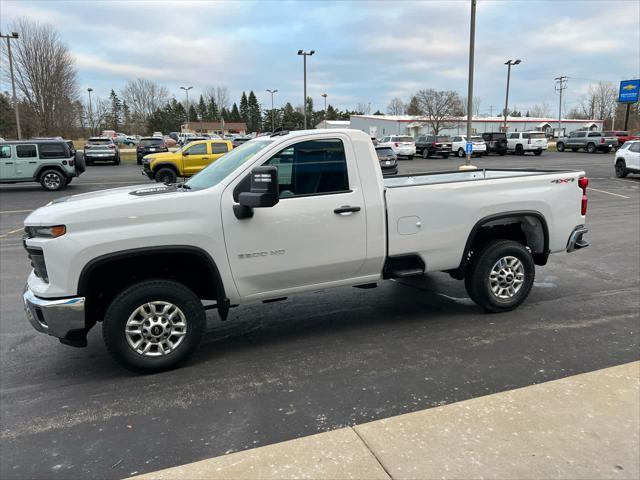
(45, 232)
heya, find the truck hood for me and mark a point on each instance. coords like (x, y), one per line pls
(120, 202)
(161, 156)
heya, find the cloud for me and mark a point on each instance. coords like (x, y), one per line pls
(94, 63)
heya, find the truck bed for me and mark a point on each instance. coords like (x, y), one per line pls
(432, 214)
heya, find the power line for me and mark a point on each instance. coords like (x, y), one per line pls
(561, 84)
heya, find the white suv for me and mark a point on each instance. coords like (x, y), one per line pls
(522, 142)
(628, 158)
(459, 143)
(403, 146)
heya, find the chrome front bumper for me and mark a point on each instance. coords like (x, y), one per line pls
(576, 242)
(55, 317)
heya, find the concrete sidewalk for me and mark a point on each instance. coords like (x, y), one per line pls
(581, 427)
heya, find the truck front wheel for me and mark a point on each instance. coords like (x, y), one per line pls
(153, 325)
(500, 275)
(166, 175)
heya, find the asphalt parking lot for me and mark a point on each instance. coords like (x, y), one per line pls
(318, 361)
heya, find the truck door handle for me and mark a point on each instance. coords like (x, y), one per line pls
(205, 158)
(346, 209)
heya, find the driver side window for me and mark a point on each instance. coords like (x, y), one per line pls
(197, 149)
(312, 167)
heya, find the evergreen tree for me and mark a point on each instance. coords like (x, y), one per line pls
(276, 114)
(7, 118)
(378, 112)
(212, 110)
(255, 118)
(291, 119)
(225, 114)
(244, 110)
(126, 116)
(332, 113)
(193, 113)
(115, 114)
(234, 116)
(202, 109)
(414, 107)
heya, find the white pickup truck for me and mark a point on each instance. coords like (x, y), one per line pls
(278, 216)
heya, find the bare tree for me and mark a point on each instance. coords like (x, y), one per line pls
(362, 108)
(45, 74)
(600, 101)
(396, 107)
(220, 95)
(540, 110)
(144, 97)
(96, 118)
(438, 107)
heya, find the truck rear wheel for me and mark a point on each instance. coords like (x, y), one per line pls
(52, 180)
(153, 325)
(500, 275)
(560, 147)
(591, 148)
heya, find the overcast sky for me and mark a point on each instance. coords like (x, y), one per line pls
(365, 51)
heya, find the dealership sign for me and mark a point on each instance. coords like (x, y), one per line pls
(629, 91)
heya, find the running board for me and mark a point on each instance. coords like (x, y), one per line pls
(411, 272)
(404, 266)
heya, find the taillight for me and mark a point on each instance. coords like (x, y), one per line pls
(397, 144)
(601, 139)
(583, 183)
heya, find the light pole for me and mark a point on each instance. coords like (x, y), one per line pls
(506, 100)
(324, 95)
(472, 43)
(90, 112)
(304, 103)
(13, 35)
(273, 120)
(186, 90)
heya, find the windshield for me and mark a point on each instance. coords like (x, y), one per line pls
(218, 170)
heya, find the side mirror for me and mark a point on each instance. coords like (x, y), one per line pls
(264, 190)
(185, 154)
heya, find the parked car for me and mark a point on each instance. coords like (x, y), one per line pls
(52, 163)
(187, 161)
(459, 144)
(280, 216)
(174, 135)
(148, 145)
(169, 141)
(621, 135)
(628, 159)
(388, 160)
(523, 142)
(101, 149)
(239, 141)
(404, 146)
(589, 141)
(496, 142)
(124, 139)
(427, 145)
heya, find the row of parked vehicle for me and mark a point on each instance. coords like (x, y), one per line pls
(442, 145)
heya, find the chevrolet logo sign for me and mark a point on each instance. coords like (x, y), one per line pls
(629, 87)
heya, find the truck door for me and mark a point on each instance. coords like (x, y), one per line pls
(316, 234)
(7, 163)
(195, 158)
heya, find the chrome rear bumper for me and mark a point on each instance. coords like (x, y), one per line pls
(54, 317)
(576, 242)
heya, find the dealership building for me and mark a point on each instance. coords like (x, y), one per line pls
(381, 125)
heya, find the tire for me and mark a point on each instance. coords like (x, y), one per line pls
(52, 180)
(519, 150)
(68, 180)
(495, 267)
(591, 148)
(409, 157)
(445, 155)
(560, 147)
(180, 328)
(117, 160)
(460, 153)
(166, 175)
(537, 153)
(607, 150)
(621, 169)
(425, 153)
(81, 165)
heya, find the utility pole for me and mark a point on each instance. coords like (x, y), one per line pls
(561, 84)
(90, 111)
(506, 100)
(304, 103)
(325, 109)
(186, 90)
(491, 110)
(273, 120)
(14, 36)
(472, 42)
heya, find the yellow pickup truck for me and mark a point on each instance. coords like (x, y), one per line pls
(187, 161)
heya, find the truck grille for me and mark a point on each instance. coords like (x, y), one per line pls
(36, 256)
